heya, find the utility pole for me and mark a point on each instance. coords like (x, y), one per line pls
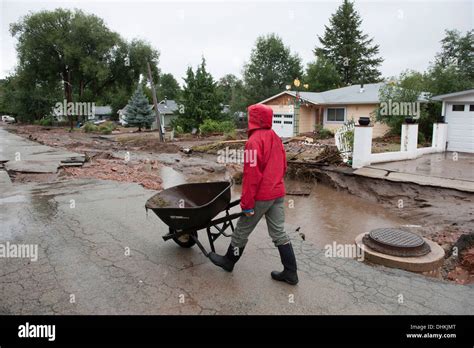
(155, 102)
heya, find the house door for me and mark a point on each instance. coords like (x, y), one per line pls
(283, 125)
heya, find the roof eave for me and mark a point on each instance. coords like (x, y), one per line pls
(451, 95)
(289, 93)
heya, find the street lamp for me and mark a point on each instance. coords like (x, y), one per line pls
(297, 103)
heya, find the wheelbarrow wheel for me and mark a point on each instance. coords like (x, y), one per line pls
(185, 240)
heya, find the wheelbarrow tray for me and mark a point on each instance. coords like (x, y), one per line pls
(190, 206)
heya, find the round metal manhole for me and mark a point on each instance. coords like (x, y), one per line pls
(396, 238)
(396, 242)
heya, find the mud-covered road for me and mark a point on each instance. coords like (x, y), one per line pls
(100, 253)
(105, 256)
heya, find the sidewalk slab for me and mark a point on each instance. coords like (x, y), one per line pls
(461, 185)
(371, 172)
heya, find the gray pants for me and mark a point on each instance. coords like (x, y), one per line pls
(274, 212)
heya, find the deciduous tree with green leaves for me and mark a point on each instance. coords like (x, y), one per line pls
(453, 68)
(271, 67)
(321, 76)
(232, 92)
(167, 87)
(77, 52)
(351, 51)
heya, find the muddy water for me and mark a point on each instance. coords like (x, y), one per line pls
(325, 216)
(328, 215)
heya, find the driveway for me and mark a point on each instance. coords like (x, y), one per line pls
(445, 170)
(449, 165)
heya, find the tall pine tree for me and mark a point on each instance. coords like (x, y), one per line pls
(353, 53)
(138, 111)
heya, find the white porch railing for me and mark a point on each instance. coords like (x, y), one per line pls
(362, 152)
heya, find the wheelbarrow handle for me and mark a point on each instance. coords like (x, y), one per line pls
(234, 203)
(226, 218)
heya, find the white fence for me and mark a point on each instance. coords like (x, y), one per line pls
(343, 142)
(362, 152)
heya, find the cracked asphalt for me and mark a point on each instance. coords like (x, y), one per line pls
(102, 254)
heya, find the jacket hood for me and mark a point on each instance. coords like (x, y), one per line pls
(260, 117)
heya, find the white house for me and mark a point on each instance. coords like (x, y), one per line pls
(458, 113)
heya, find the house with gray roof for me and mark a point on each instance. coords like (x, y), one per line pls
(167, 109)
(330, 109)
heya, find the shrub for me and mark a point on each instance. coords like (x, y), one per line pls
(89, 127)
(349, 136)
(421, 138)
(322, 133)
(212, 126)
(104, 129)
(179, 130)
(109, 124)
(232, 135)
(46, 121)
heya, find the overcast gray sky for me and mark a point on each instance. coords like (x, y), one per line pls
(224, 32)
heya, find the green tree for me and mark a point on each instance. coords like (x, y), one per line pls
(453, 68)
(232, 92)
(138, 112)
(271, 67)
(167, 87)
(458, 51)
(200, 98)
(322, 75)
(407, 89)
(76, 52)
(350, 50)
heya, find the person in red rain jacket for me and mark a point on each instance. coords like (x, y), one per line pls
(263, 191)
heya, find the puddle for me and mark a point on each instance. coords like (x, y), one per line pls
(327, 215)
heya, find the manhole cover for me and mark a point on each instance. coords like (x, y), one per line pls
(392, 241)
(396, 238)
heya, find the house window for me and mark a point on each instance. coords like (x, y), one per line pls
(335, 114)
(458, 107)
(471, 107)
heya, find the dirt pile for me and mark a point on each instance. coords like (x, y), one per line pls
(146, 142)
(459, 263)
(213, 148)
(79, 141)
(145, 173)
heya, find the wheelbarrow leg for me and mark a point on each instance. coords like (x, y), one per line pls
(195, 238)
(211, 239)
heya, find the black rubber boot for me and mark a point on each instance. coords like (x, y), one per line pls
(288, 260)
(227, 261)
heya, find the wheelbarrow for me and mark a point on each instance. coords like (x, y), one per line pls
(189, 208)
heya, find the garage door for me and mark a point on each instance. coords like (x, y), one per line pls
(283, 125)
(460, 118)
